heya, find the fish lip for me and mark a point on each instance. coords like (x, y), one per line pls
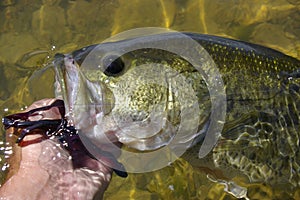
(61, 83)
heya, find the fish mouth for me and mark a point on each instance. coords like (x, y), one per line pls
(86, 104)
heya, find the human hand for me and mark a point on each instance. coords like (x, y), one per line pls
(48, 171)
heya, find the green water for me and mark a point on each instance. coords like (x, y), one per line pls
(52, 26)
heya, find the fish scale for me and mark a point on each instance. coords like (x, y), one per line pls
(263, 96)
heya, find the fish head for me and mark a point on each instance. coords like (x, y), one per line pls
(143, 96)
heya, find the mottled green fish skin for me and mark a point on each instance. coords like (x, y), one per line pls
(262, 129)
(261, 134)
(251, 72)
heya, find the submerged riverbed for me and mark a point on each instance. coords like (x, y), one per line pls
(39, 30)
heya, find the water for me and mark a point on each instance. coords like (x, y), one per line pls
(50, 26)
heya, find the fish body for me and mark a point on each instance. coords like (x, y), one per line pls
(140, 96)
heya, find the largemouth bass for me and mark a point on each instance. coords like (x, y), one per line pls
(140, 96)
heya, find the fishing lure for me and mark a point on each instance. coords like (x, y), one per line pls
(40, 120)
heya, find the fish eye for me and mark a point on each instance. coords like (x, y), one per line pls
(113, 65)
